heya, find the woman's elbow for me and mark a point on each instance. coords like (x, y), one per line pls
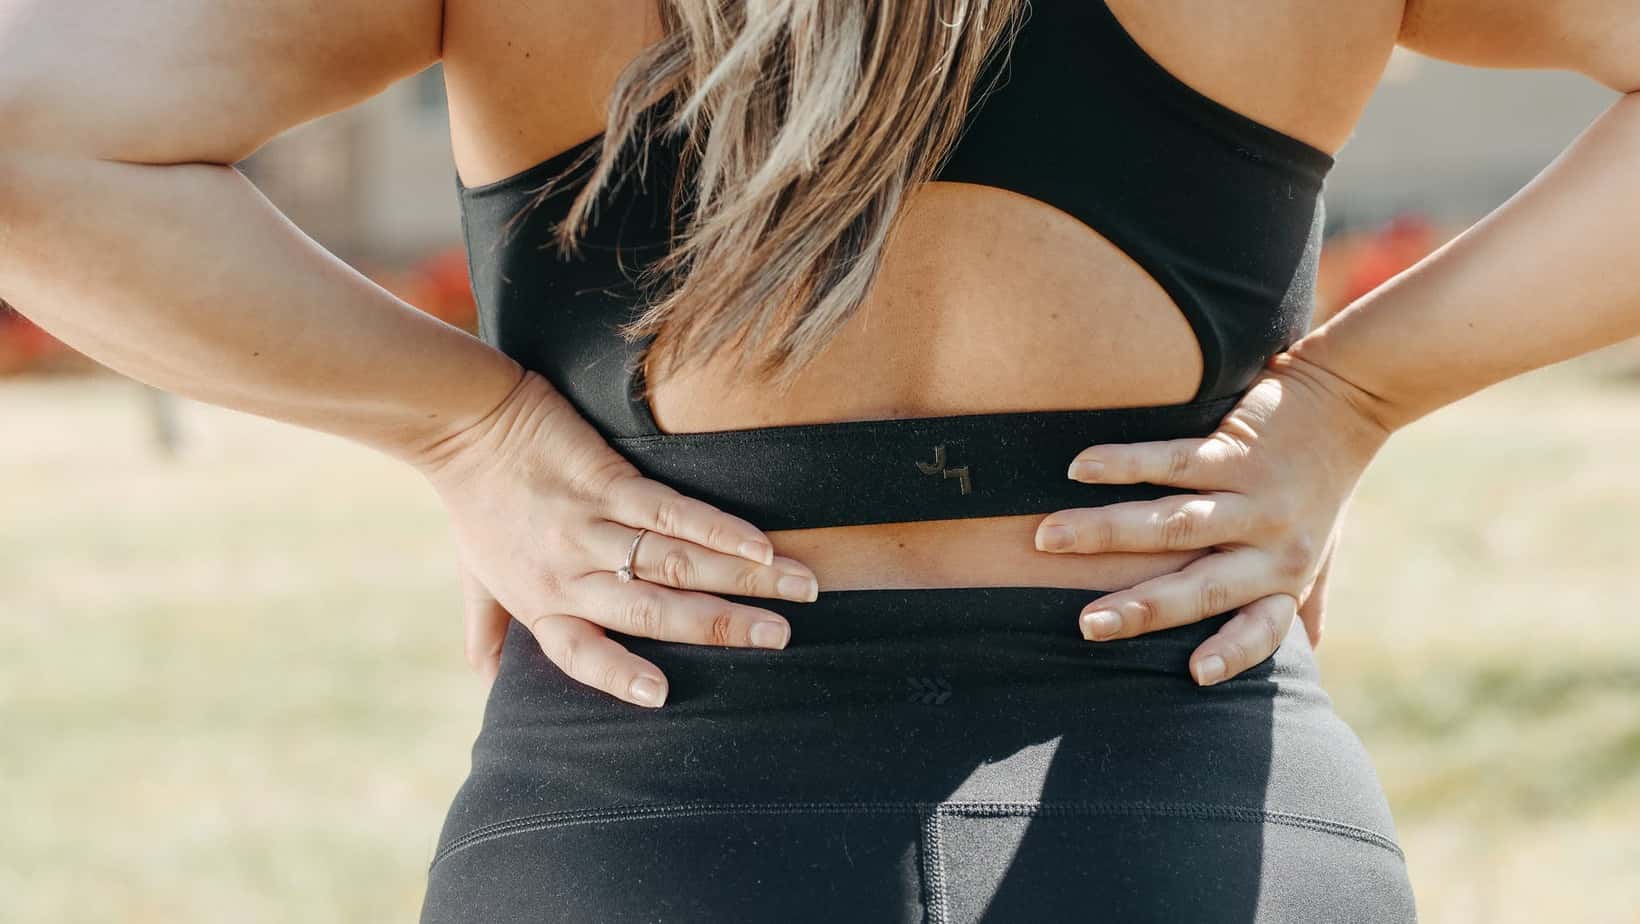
(145, 120)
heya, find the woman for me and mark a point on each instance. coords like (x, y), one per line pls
(921, 256)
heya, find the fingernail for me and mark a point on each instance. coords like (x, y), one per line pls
(795, 587)
(770, 634)
(760, 552)
(1209, 670)
(1053, 537)
(648, 691)
(1084, 468)
(1100, 623)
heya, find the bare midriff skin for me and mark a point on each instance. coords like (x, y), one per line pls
(988, 300)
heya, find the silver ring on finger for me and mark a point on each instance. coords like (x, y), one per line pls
(624, 572)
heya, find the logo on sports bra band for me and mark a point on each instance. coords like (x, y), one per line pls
(938, 467)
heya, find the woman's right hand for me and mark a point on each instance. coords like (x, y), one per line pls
(543, 511)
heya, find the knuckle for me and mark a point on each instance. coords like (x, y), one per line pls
(1295, 557)
(610, 678)
(677, 569)
(1280, 513)
(1223, 448)
(1143, 614)
(642, 615)
(599, 480)
(1214, 597)
(1179, 461)
(1179, 528)
(716, 536)
(720, 629)
(1099, 532)
(666, 516)
(750, 581)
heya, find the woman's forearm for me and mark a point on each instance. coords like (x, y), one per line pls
(187, 278)
(1551, 274)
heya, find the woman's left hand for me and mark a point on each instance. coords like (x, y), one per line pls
(1275, 478)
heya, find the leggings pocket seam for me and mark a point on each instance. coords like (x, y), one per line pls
(933, 812)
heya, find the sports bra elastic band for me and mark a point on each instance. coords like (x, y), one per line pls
(911, 468)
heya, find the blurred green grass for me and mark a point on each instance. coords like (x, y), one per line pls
(231, 686)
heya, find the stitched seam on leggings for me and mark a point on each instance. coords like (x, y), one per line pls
(531, 823)
(934, 868)
(1179, 809)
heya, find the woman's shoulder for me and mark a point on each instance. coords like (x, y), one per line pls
(527, 81)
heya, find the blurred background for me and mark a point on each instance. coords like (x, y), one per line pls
(231, 674)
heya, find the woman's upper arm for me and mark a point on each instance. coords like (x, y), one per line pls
(1599, 38)
(196, 80)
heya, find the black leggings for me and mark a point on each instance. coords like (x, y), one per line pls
(934, 755)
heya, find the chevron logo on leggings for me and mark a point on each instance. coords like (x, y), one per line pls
(929, 691)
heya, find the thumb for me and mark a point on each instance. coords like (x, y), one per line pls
(1311, 610)
(485, 626)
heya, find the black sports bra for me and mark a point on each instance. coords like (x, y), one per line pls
(1225, 212)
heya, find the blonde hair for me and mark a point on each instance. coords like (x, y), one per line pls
(805, 125)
